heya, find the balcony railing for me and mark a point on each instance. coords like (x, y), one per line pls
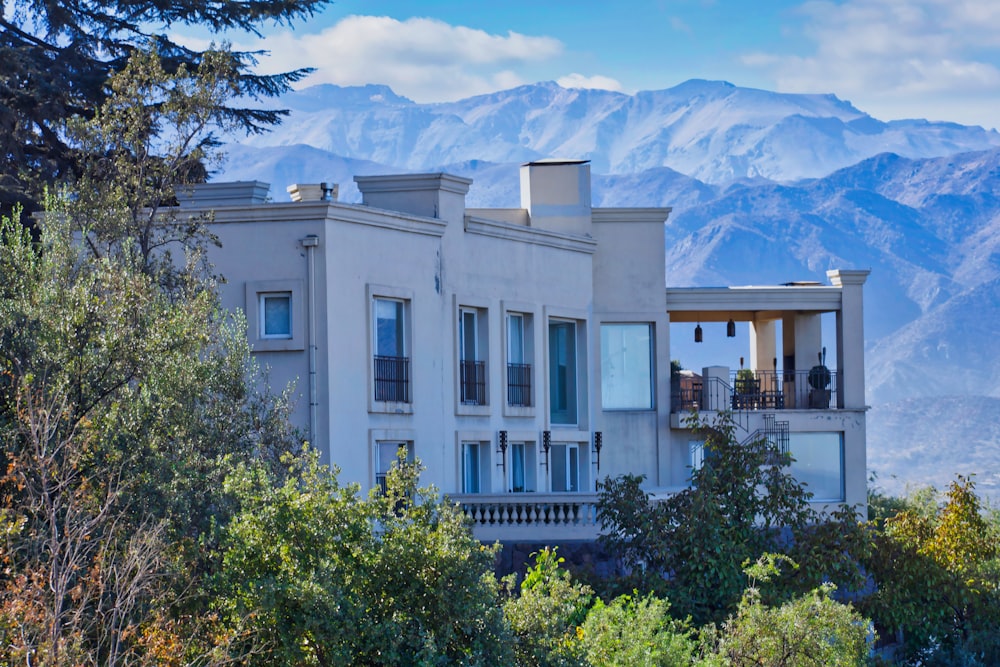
(531, 515)
(473, 381)
(519, 385)
(764, 390)
(392, 379)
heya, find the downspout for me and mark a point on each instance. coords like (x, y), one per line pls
(310, 243)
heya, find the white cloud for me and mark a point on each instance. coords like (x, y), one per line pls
(892, 52)
(425, 59)
(576, 80)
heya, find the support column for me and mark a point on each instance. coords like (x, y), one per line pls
(850, 337)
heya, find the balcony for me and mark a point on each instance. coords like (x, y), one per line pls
(519, 385)
(392, 379)
(532, 516)
(757, 390)
(473, 381)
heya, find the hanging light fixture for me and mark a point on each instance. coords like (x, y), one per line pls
(697, 333)
(731, 328)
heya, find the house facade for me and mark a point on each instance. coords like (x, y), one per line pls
(521, 354)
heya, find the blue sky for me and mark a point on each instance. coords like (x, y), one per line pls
(935, 59)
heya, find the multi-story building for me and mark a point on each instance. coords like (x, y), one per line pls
(521, 354)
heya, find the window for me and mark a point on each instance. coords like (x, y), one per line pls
(391, 364)
(472, 343)
(518, 361)
(696, 454)
(626, 366)
(522, 467)
(565, 466)
(275, 313)
(819, 464)
(386, 456)
(562, 372)
(475, 467)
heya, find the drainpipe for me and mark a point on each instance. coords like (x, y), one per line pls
(310, 243)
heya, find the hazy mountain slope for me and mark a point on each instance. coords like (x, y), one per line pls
(924, 441)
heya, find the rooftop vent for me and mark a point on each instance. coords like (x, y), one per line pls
(313, 191)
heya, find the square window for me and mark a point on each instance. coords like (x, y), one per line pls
(627, 366)
(275, 310)
(819, 464)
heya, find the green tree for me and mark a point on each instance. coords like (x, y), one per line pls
(938, 580)
(57, 57)
(636, 632)
(691, 547)
(547, 613)
(810, 630)
(316, 575)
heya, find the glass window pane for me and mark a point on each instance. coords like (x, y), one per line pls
(389, 328)
(562, 372)
(819, 464)
(515, 339)
(277, 315)
(626, 366)
(559, 477)
(468, 335)
(517, 468)
(470, 482)
(573, 462)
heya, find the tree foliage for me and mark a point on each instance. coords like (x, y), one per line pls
(938, 578)
(319, 575)
(58, 56)
(691, 546)
(808, 630)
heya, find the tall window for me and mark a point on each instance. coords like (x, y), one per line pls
(387, 456)
(475, 467)
(626, 366)
(472, 364)
(518, 364)
(565, 465)
(392, 366)
(562, 372)
(522, 467)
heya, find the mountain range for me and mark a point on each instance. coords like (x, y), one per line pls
(765, 188)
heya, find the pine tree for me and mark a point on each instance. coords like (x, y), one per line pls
(56, 57)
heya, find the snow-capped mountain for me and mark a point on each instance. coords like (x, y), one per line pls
(765, 188)
(709, 130)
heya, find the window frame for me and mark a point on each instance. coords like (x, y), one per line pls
(528, 357)
(263, 298)
(374, 294)
(254, 293)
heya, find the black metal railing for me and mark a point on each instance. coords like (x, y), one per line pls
(519, 385)
(392, 379)
(473, 381)
(763, 390)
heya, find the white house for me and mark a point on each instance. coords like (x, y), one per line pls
(520, 353)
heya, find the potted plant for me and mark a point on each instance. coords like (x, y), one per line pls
(819, 384)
